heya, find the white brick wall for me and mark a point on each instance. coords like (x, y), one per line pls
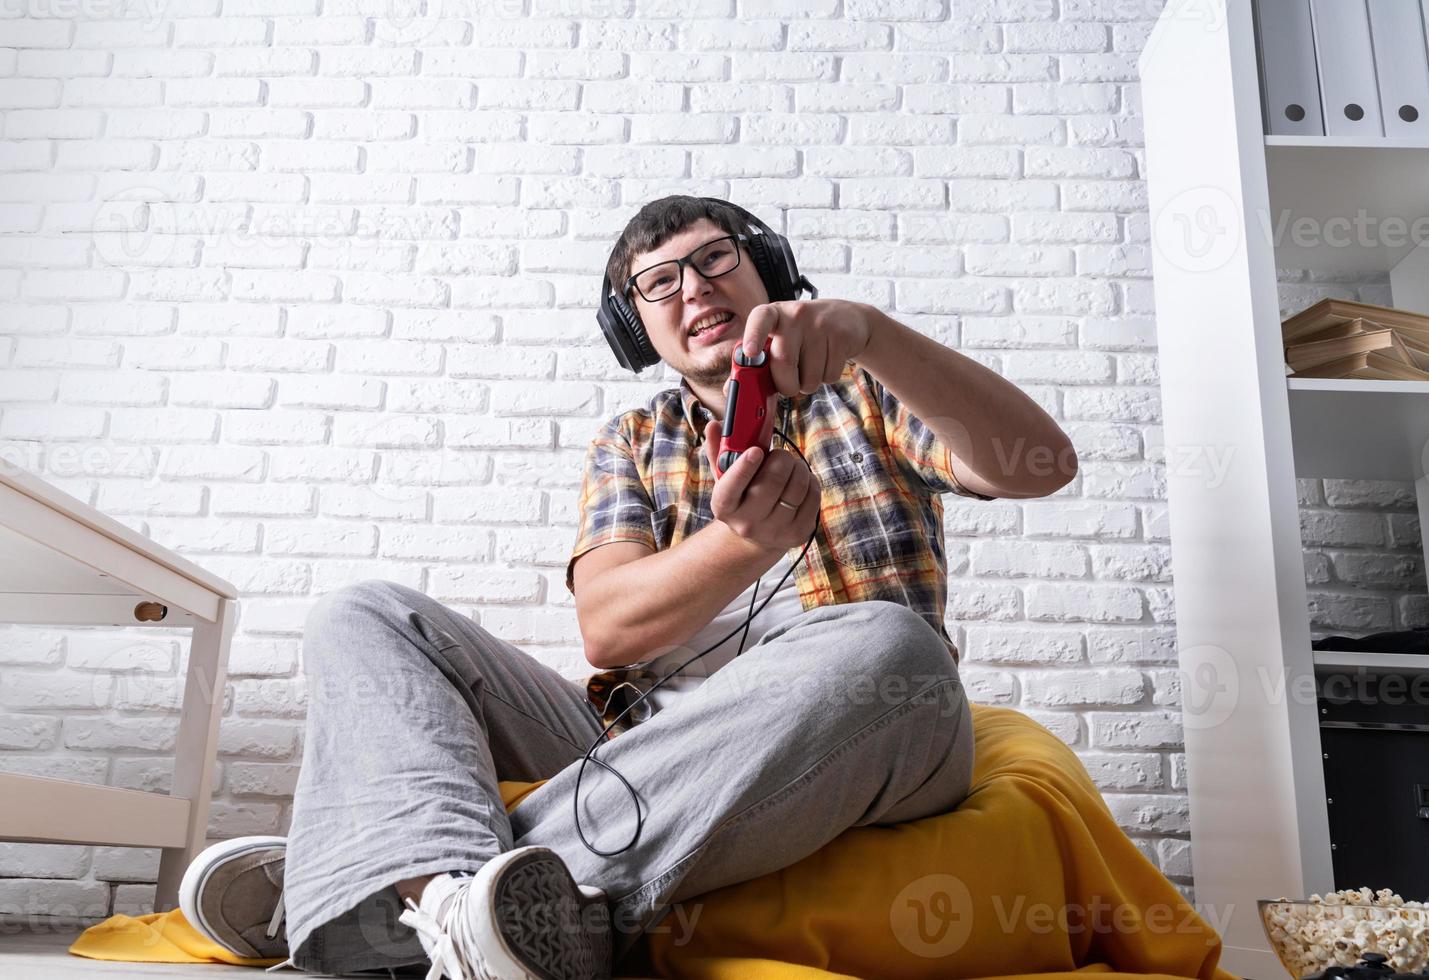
(308, 296)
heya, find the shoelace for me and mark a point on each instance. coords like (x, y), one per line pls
(454, 950)
(279, 914)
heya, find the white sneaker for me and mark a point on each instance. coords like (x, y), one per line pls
(521, 917)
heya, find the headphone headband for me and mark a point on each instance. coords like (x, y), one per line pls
(773, 259)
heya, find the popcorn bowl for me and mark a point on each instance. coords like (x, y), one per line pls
(1309, 935)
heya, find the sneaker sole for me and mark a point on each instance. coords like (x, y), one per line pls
(202, 867)
(545, 924)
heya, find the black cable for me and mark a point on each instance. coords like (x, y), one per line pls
(590, 752)
(750, 618)
(754, 594)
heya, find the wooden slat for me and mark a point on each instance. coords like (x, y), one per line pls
(30, 566)
(46, 609)
(139, 569)
(61, 811)
(198, 744)
(75, 509)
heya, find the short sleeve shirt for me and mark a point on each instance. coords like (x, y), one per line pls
(881, 470)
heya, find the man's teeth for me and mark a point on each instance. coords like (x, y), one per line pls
(710, 323)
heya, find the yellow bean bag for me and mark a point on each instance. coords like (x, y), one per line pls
(1030, 876)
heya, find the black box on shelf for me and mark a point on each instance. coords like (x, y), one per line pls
(1374, 738)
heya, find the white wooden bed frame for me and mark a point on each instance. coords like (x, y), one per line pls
(64, 563)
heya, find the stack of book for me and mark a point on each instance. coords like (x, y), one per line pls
(1337, 338)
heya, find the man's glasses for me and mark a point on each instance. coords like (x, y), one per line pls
(712, 259)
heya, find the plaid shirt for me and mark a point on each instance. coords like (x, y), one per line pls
(881, 470)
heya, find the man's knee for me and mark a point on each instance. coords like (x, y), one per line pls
(339, 611)
(355, 597)
(894, 640)
(907, 658)
(882, 655)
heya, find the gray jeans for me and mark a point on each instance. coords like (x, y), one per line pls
(843, 716)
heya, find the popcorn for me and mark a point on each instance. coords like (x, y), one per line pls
(1337, 928)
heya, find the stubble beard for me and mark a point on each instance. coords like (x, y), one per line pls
(711, 373)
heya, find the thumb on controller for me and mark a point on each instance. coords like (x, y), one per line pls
(713, 428)
(714, 433)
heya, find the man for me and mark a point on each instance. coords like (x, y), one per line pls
(840, 706)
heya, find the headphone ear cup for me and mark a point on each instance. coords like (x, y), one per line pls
(624, 332)
(643, 351)
(782, 259)
(772, 268)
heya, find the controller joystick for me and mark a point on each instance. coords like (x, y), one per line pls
(749, 408)
(742, 359)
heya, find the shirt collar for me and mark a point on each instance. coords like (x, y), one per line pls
(696, 415)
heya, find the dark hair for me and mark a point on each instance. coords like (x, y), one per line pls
(658, 222)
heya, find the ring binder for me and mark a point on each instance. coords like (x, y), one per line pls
(1401, 66)
(1290, 89)
(1344, 56)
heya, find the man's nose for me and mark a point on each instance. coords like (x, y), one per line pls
(695, 282)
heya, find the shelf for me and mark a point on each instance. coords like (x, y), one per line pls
(1350, 142)
(1355, 658)
(1350, 428)
(1242, 600)
(1334, 180)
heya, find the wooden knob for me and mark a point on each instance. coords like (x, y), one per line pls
(150, 612)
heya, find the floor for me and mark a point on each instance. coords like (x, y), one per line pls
(45, 956)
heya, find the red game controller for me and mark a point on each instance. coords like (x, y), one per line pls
(749, 408)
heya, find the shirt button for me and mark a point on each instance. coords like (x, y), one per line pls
(855, 457)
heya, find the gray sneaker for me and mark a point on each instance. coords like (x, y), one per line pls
(232, 893)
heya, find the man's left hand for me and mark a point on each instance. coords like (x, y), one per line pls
(810, 340)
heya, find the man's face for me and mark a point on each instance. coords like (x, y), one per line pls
(704, 357)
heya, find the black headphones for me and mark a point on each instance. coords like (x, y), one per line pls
(772, 256)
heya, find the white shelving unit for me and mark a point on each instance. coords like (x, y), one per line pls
(1217, 187)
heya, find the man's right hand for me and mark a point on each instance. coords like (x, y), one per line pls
(747, 497)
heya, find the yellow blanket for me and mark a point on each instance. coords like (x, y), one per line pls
(1030, 876)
